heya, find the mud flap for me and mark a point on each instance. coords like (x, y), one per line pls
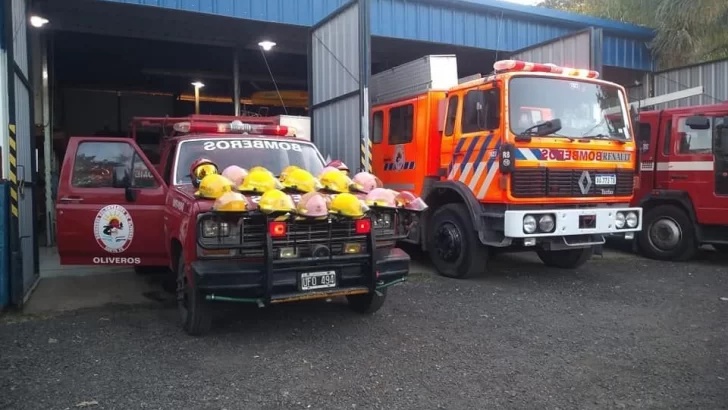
(599, 250)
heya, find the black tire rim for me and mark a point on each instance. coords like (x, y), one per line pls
(665, 234)
(182, 296)
(448, 241)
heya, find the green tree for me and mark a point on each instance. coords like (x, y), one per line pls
(686, 31)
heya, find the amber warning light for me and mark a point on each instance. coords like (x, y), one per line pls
(235, 127)
(517, 65)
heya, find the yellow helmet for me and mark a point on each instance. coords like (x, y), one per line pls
(213, 186)
(287, 171)
(231, 202)
(302, 180)
(348, 205)
(275, 200)
(337, 181)
(259, 180)
(259, 168)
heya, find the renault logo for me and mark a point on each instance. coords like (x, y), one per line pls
(585, 182)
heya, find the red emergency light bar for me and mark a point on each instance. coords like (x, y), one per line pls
(235, 127)
(517, 65)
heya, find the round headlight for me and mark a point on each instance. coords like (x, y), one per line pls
(632, 220)
(529, 224)
(546, 223)
(619, 220)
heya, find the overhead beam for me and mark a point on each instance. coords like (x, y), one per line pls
(219, 76)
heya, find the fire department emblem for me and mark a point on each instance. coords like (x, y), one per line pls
(399, 161)
(113, 228)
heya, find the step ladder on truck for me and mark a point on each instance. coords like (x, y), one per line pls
(531, 157)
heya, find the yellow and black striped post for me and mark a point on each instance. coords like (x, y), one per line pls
(366, 155)
(12, 159)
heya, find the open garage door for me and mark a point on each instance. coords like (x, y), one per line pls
(339, 71)
(582, 49)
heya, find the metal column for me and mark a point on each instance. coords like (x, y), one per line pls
(236, 81)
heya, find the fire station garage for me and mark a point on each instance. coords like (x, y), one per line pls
(87, 67)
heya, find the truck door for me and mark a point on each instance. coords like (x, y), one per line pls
(720, 142)
(399, 148)
(377, 136)
(110, 207)
(448, 133)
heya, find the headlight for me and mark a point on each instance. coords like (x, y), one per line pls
(529, 224)
(546, 223)
(383, 221)
(619, 220)
(632, 220)
(211, 229)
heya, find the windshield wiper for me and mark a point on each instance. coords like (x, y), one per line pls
(541, 129)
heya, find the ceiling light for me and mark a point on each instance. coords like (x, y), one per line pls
(198, 84)
(38, 21)
(267, 45)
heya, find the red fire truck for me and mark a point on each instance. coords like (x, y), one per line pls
(684, 181)
(115, 207)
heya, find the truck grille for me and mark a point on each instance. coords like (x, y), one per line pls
(545, 182)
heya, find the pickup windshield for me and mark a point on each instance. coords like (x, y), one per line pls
(273, 154)
(585, 109)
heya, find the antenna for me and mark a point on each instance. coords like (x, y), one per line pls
(274, 80)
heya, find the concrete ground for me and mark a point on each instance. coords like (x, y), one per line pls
(622, 332)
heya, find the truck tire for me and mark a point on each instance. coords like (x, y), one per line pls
(566, 259)
(191, 303)
(454, 246)
(667, 234)
(368, 303)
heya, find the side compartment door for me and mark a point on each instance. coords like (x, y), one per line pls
(110, 206)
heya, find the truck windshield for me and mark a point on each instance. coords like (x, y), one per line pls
(585, 109)
(272, 154)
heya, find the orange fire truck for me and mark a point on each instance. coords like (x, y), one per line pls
(532, 157)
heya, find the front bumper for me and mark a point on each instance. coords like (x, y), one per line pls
(572, 222)
(279, 280)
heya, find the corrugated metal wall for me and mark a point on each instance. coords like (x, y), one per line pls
(4, 247)
(492, 26)
(712, 76)
(20, 35)
(570, 51)
(335, 85)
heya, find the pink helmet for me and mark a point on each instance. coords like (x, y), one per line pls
(367, 181)
(410, 201)
(313, 204)
(382, 197)
(338, 165)
(235, 174)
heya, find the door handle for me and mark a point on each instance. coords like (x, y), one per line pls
(71, 199)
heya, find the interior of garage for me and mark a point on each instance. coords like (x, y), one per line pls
(103, 70)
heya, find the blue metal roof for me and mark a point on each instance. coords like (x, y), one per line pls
(488, 24)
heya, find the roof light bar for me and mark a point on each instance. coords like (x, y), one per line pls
(517, 65)
(235, 127)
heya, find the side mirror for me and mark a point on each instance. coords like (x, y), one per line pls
(698, 122)
(122, 179)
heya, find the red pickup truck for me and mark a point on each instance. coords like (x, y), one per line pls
(115, 207)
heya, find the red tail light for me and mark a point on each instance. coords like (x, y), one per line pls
(363, 226)
(277, 229)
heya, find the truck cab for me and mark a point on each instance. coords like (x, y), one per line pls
(532, 157)
(115, 207)
(684, 181)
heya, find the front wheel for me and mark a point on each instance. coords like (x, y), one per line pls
(368, 303)
(191, 304)
(566, 259)
(453, 242)
(667, 234)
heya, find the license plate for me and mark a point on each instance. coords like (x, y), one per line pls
(318, 280)
(605, 180)
(587, 221)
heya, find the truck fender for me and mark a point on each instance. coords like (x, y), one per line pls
(669, 196)
(439, 193)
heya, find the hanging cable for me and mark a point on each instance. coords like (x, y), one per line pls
(274, 81)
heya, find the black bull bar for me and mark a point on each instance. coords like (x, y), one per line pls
(257, 273)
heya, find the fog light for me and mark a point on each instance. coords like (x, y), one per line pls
(352, 248)
(288, 253)
(529, 224)
(546, 223)
(529, 242)
(629, 235)
(632, 219)
(619, 220)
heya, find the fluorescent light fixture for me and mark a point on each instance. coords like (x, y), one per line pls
(198, 84)
(267, 45)
(38, 21)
